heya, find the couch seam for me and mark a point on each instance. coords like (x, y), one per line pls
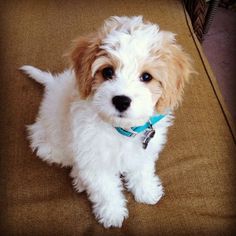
(214, 90)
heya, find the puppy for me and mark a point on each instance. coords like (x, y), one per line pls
(107, 116)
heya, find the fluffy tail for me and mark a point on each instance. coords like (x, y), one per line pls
(41, 77)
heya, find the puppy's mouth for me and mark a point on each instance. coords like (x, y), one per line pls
(122, 120)
(121, 115)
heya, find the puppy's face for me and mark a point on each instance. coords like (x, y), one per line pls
(130, 69)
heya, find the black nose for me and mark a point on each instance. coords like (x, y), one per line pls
(121, 103)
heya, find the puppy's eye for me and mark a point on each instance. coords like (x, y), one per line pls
(107, 73)
(145, 77)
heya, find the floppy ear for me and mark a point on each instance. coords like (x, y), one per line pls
(178, 68)
(83, 55)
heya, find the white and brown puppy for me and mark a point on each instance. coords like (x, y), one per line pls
(108, 115)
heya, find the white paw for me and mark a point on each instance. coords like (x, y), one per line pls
(149, 192)
(111, 216)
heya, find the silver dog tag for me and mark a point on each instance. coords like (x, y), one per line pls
(148, 135)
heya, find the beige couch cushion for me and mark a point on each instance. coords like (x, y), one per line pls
(197, 166)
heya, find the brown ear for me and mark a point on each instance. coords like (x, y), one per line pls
(179, 67)
(83, 55)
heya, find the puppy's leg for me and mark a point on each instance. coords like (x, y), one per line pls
(144, 184)
(105, 192)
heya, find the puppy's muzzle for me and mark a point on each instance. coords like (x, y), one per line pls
(121, 103)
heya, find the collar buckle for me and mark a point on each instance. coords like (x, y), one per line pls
(148, 135)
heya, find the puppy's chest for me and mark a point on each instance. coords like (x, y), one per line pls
(130, 153)
(105, 143)
(141, 146)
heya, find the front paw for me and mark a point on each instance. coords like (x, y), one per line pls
(110, 216)
(149, 192)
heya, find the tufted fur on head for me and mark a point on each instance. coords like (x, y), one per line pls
(171, 67)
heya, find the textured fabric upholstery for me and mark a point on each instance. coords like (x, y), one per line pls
(197, 166)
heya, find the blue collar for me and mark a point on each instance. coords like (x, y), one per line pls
(133, 131)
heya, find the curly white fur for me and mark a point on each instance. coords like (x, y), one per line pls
(80, 133)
